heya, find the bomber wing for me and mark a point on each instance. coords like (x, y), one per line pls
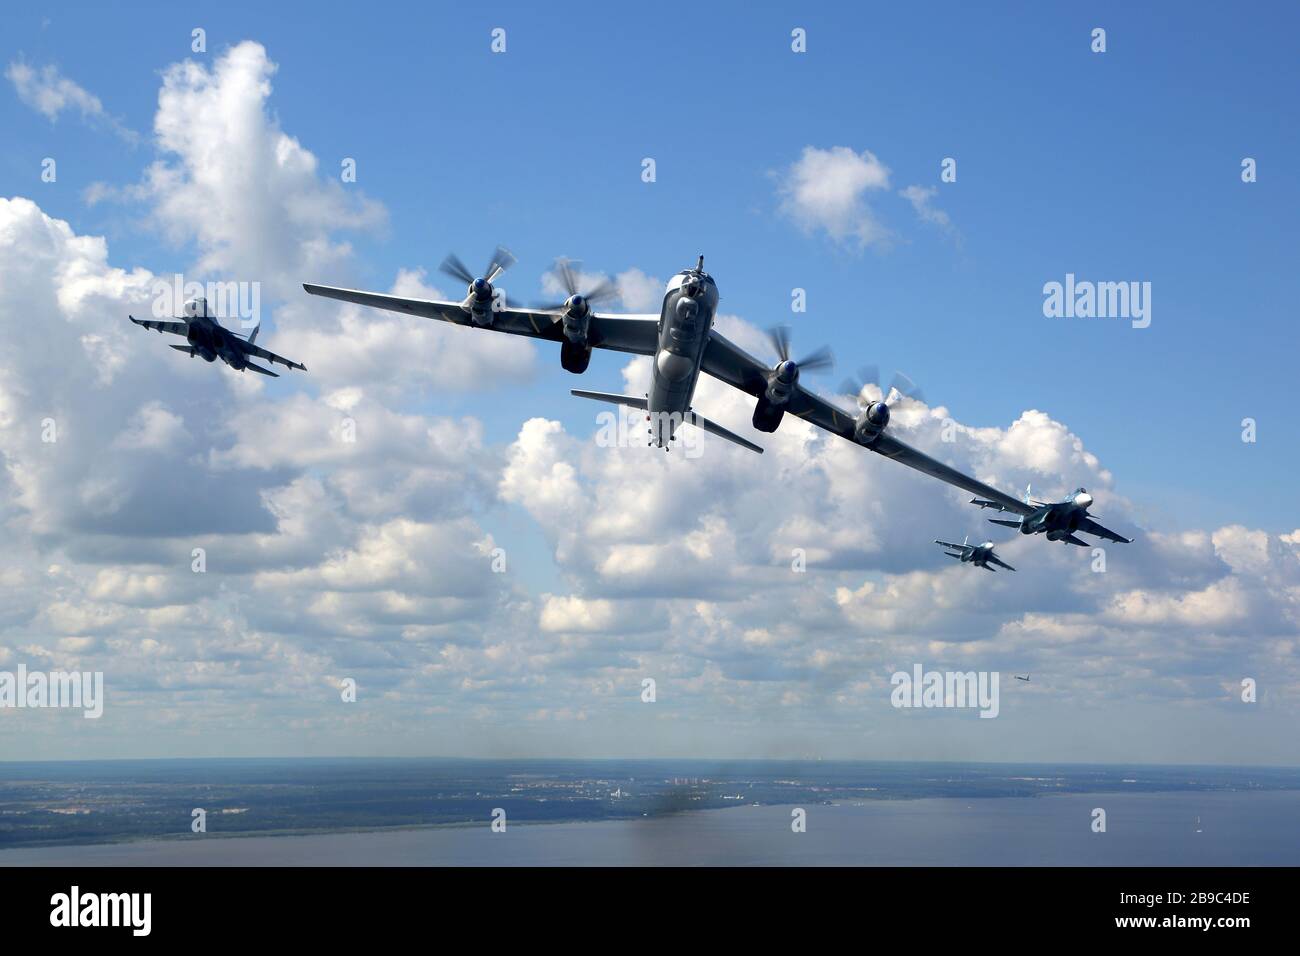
(638, 334)
(725, 360)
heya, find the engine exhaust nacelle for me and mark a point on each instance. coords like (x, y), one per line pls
(576, 319)
(871, 423)
(767, 416)
(781, 382)
(480, 302)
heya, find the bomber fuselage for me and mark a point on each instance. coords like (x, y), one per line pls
(690, 303)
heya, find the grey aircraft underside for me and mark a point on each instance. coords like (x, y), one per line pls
(980, 555)
(1058, 520)
(206, 338)
(683, 343)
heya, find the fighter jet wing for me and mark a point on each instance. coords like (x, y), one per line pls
(638, 334)
(949, 544)
(257, 350)
(1091, 527)
(178, 328)
(994, 559)
(725, 360)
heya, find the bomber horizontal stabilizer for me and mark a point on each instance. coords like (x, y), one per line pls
(611, 397)
(690, 418)
(713, 428)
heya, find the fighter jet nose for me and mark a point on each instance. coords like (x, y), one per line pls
(1083, 499)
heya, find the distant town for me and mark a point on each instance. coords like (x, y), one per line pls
(86, 802)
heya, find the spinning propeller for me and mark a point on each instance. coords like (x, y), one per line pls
(578, 303)
(786, 371)
(900, 386)
(873, 415)
(480, 287)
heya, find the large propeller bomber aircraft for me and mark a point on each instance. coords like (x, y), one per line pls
(683, 342)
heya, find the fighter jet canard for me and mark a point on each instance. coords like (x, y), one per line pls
(1059, 520)
(980, 555)
(208, 340)
(683, 343)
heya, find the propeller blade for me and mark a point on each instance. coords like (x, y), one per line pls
(602, 291)
(779, 336)
(814, 361)
(867, 375)
(456, 269)
(904, 386)
(568, 274)
(502, 259)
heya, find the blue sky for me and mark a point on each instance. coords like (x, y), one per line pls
(1117, 166)
(1121, 166)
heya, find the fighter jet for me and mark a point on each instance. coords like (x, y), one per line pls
(1025, 678)
(1059, 520)
(208, 340)
(683, 342)
(980, 555)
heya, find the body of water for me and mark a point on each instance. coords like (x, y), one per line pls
(1147, 829)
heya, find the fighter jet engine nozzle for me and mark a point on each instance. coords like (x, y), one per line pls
(1083, 499)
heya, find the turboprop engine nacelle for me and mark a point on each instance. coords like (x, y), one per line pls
(871, 423)
(576, 319)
